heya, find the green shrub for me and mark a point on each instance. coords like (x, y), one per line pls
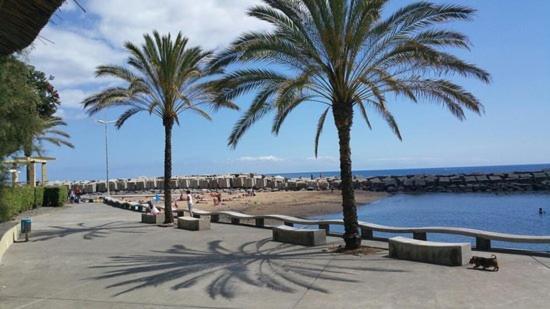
(55, 196)
(16, 200)
(38, 197)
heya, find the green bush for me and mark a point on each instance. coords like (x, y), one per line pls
(16, 200)
(38, 197)
(55, 196)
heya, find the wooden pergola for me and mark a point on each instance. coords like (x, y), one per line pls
(30, 162)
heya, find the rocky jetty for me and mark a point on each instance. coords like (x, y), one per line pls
(497, 182)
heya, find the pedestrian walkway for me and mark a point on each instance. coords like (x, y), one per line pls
(96, 256)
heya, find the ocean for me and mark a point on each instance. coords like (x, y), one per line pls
(427, 171)
(506, 213)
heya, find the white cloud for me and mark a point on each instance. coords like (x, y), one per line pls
(269, 158)
(70, 114)
(72, 98)
(209, 23)
(323, 158)
(73, 57)
(72, 50)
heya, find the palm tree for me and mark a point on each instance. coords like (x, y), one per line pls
(165, 78)
(46, 131)
(345, 56)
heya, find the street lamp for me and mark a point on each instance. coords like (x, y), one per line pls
(105, 123)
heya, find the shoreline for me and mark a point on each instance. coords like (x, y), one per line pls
(291, 203)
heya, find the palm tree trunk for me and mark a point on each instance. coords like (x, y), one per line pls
(27, 152)
(169, 218)
(343, 116)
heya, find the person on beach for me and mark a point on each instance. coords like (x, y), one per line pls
(152, 209)
(77, 194)
(72, 196)
(190, 202)
(218, 198)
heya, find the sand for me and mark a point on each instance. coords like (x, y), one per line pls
(293, 203)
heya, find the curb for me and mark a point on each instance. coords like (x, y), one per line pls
(7, 239)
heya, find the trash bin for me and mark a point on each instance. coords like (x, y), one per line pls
(26, 225)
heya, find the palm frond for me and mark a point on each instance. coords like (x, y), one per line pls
(320, 125)
(345, 53)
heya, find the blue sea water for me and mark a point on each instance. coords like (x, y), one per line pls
(428, 171)
(511, 213)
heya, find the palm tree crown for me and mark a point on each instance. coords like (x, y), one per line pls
(51, 133)
(343, 55)
(165, 78)
(48, 131)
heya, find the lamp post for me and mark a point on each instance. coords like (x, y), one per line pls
(105, 123)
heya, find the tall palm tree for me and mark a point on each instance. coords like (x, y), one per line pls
(345, 56)
(165, 78)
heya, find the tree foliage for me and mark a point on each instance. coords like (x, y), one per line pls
(49, 97)
(19, 117)
(350, 59)
(28, 103)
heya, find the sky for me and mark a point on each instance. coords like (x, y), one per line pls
(511, 40)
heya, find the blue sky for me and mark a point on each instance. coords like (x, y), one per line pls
(511, 39)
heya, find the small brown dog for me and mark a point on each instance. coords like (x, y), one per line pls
(485, 262)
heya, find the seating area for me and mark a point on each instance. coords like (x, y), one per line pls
(296, 236)
(152, 219)
(450, 254)
(193, 224)
(482, 238)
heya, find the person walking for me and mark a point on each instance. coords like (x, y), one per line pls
(190, 202)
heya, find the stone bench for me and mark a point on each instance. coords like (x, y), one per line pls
(193, 224)
(450, 254)
(152, 219)
(292, 235)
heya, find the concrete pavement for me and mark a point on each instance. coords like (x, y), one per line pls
(95, 256)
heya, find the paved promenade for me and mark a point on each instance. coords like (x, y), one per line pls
(95, 256)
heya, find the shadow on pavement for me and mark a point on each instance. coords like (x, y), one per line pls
(282, 268)
(87, 232)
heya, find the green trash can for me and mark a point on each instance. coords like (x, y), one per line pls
(26, 224)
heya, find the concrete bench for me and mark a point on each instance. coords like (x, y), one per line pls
(450, 254)
(152, 219)
(193, 224)
(292, 235)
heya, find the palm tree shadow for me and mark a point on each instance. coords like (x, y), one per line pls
(281, 267)
(87, 232)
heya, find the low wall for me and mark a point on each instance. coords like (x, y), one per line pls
(8, 238)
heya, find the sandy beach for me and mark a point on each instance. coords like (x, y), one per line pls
(293, 203)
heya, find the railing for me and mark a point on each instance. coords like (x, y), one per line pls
(483, 238)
